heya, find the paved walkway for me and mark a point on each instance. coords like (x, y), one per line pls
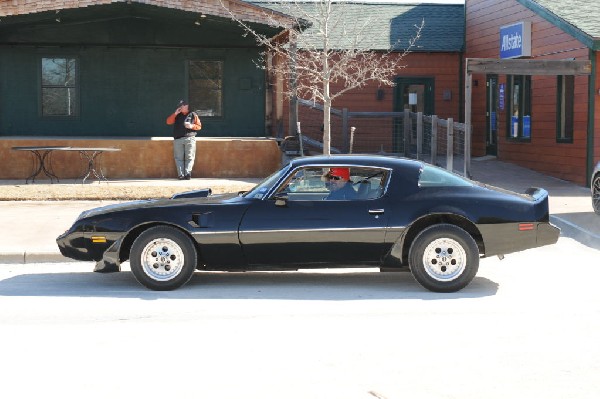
(570, 204)
(31, 227)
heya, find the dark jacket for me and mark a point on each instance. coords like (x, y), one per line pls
(179, 129)
(346, 192)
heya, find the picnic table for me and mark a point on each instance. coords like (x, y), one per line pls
(42, 160)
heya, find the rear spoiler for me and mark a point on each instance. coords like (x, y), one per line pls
(541, 206)
(537, 194)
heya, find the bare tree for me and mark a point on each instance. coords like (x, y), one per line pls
(320, 47)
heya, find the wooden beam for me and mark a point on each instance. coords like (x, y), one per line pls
(528, 67)
(468, 130)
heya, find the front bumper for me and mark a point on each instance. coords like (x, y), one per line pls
(82, 246)
(72, 245)
(110, 262)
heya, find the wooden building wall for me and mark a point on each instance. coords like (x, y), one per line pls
(132, 67)
(563, 160)
(444, 68)
(129, 92)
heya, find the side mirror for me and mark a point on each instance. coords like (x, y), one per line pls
(281, 200)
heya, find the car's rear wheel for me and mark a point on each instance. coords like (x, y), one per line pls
(163, 258)
(596, 194)
(444, 258)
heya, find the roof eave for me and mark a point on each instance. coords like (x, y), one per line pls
(253, 15)
(584, 38)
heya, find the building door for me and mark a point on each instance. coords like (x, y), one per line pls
(491, 114)
(415, 94)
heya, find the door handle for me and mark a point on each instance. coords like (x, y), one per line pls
(376, 211)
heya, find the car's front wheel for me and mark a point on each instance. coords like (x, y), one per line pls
(444, 258)
(596, 194)
(163, 258)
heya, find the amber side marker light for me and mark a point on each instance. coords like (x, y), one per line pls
(525, 226)
(98, 239)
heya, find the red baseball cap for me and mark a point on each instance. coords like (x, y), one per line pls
(343, 173)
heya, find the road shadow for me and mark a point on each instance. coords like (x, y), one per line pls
(250, 285)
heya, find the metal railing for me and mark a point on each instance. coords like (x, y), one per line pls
(441, 142)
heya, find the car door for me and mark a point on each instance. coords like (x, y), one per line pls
(301, 227)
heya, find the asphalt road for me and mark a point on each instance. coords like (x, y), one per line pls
(526, 327)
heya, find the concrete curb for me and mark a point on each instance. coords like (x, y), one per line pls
(578, 233)
(33, 257)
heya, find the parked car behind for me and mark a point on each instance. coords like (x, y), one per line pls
(595, 186)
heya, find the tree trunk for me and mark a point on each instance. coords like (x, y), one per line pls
(327, 127)
(326, 74)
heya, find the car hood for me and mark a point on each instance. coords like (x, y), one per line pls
(158, 203)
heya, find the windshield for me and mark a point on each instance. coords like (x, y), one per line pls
(263, 188)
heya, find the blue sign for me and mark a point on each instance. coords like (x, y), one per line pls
(514, 128)
(501, 91)
(515, 40)
(527, 126)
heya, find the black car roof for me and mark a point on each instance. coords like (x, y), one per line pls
(363, 160)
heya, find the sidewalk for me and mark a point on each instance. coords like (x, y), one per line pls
(31, 227)
(570, 204)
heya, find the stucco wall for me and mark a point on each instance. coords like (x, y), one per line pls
(143, 157)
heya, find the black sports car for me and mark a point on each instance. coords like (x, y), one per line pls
(319, 212)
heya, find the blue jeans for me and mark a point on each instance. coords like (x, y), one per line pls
(184, 151)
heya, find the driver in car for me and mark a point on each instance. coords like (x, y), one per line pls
(340, 186)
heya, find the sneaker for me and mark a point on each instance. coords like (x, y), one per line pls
(188, 176)
(181, 177)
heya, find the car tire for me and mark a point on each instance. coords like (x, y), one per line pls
(163, 258)
(444, 258)
(596, 195)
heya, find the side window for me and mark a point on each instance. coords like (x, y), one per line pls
(369, 183)
(59, 91)
(206, 87)
(335, 183)
(565, 107)
(519, 115)
(436, 177)
(305, 184)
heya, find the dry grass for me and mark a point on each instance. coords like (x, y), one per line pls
(107, 191)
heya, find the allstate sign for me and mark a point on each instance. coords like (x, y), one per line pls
(515, 40)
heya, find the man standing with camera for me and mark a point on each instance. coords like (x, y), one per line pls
(185, 125)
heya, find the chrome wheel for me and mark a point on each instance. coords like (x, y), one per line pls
(444, 259)
(162, 259)
(596, 195)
